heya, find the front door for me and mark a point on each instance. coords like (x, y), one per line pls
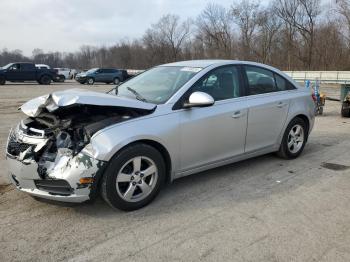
(215, 133)
(14, 73)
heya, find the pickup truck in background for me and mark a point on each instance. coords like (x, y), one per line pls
(21, 72)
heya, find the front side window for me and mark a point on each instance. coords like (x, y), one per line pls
(91, 70)
(222, 83)
(15, 67)
(260, 80)
(158, 84)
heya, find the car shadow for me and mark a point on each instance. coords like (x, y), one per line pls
(228, 185)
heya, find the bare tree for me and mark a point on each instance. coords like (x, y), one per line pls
(214, 31)
(268, 27)
(288, 34)
(169, 33)
(301, 15)
(246, 16)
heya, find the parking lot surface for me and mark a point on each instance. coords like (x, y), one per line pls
(263, 209)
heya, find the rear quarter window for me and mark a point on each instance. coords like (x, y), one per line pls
(283, 84)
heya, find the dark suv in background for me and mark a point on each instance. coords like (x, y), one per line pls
(104, 75)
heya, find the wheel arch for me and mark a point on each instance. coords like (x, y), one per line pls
(45, 74)
(160, 147)
(305, 119)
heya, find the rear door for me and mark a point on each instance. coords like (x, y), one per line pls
(111, 74)
(28, 72)
(268, 102)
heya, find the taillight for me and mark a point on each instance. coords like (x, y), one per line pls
(314, 97)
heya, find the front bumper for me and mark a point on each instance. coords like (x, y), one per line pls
(62, 182)
(56, 78)
(80, 79)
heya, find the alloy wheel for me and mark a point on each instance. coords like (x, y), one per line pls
(136, 179)
(295, 138)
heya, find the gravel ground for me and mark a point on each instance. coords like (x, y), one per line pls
(263, 209)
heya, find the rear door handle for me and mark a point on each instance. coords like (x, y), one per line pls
(281, 104)
(237, 114)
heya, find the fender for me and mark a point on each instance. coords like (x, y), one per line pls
(163, 130)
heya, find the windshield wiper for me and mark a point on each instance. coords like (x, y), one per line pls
(114, 88)
(137, 95)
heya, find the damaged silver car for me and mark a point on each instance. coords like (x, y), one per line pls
(170, 121)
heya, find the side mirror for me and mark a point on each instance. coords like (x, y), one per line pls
(199, 99)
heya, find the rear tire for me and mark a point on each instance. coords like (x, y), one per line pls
(116, 81)
(133, 177)
(294, 139)
(345, 110)
(2, 81)
(45, 80)
(320, 110)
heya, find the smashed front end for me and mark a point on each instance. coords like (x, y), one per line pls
(48, 153)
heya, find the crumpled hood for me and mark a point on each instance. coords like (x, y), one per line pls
(71, 97)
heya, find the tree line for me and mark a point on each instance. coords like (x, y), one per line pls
(288, 34)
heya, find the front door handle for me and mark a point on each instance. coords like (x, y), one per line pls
(237, 114)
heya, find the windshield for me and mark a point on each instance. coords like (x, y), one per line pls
(7, 66)
(158, 84)
(91, 70)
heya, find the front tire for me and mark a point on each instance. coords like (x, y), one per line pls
(90, 81)
(62, 78)
(2, 81)
(133, 177)
(294, 139)
(116, 81)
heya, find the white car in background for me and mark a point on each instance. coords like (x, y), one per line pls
(73, 73)
(42, 66)
(64, 73)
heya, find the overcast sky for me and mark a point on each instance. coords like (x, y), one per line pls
(65, 25)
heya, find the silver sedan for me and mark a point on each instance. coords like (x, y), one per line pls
(170, 121)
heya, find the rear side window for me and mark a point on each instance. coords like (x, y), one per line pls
(260, 80)
(27, 66)
(283, 84)
(109, 71)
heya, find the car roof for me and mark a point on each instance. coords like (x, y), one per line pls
(200, 63)
(210, 62)
(219, 62)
